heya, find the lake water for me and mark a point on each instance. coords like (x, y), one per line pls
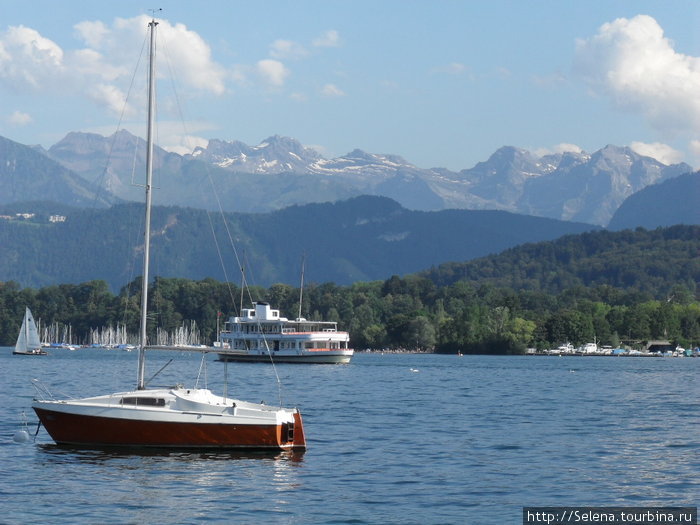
(395, 438)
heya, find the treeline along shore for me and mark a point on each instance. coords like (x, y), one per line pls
(612, 288)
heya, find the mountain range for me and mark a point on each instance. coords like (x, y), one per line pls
(358, 217)
(280, 172)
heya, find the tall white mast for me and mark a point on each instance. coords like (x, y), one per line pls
(147, 222)
(301, 285)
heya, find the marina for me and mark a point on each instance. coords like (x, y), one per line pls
(652, 349)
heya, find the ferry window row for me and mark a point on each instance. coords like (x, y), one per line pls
(257, 329)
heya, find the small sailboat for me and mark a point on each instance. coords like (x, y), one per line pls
(28, 342)
(174, 417)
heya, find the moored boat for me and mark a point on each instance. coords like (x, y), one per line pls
(259, 334)
(176, 417)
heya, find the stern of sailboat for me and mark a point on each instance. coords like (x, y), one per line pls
(298, 437)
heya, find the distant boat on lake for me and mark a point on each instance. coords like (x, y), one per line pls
(261, 335)
(28, 342)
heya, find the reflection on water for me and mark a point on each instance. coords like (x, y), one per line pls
(106, 454)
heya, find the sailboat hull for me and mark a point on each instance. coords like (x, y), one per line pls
(170, 419)
(74, 429)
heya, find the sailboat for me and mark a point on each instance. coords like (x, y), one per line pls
(28, 342)
(176, 417)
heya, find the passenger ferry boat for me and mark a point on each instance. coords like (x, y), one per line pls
(261, 335)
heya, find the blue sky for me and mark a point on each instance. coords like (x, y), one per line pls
(441, 83)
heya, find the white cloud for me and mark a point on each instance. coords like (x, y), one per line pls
(28, 60)
(182, 144)
(111, 97)
(93, 33)
(103, 68)
(564, 147)
(331, 90)
(19, 118)
(330, 38)
(659, 151)
(632, 62)
(273, 72)
(90, 64)
(287, 49)
(694, 148)
(192, 56)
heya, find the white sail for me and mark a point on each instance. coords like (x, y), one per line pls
(28, 339)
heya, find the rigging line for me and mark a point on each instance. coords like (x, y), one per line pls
(189, 145)
(301, 285)
(100, 180)
(159, 371)
(133, 163)
(221, 258)
(99, 183)
(238, 260)
(202, 368)
(131, 242)
(218, 202)
(226, 226)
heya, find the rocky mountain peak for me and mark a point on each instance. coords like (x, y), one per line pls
(358, 154)
(505, 161)
(276, 154)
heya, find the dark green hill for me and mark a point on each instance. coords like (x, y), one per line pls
(675, 201)
(27, 174)
(361, 239)
(649, 261)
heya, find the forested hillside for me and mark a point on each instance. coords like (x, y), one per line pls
(361, 239)
(674, 201)
(630, 287)
(632, 260)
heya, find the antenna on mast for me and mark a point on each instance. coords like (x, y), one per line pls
(301, 286)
